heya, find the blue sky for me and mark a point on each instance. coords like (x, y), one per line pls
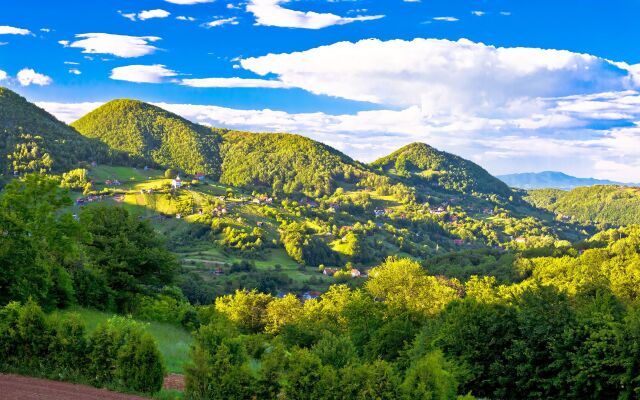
(478, 78)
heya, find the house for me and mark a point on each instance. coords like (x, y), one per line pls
(176, 183)
(200, 176)
(178, 216)
(330, 271)
(310, 295)
(218, 271)
(119, 198)
(379, 213)
(487, 211)
(259, 224)
(521, 240)
(453, 218)
(458, 242)
(437, 211)
(355, 273)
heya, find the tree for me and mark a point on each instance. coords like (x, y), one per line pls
(127, 252)
(38, 243)
(170, 173)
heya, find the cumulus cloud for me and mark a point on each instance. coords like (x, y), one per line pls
(446, 19)
(271, 13)
(28, 76)
(3, 75)
(75, 71)
(222, 21)
(146, 14)
(233, 83)
(10, 30)
(442, 76)
(118, 45)
(142, 73)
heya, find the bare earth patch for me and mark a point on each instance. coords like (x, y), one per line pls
(16, 387)
(174, 382)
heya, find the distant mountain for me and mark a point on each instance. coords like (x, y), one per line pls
(599, 204)
(285, 163)
(153, 135)
(422, 164)
(552, 180)
(32, 140)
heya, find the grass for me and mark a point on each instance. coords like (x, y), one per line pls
(173, 341)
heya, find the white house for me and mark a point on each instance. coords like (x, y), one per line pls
(176, 183)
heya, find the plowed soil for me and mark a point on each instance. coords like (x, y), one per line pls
(14, 387)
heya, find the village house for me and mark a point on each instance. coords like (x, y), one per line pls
(521, 240)
(355, 273)
(437, 211)
(379, 213)
(310, 295)
(329, 271)
(200, 176)
(176, 183)
(458, 242)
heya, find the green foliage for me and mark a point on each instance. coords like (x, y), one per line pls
(32, 140)
(282, 163)
(152, 135)
(600, 204)
(425, 165)
(38, 243)
(126, 252)
(117, 354)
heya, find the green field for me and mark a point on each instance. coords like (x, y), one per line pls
(173, 341)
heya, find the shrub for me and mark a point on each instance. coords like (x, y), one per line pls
(139, 364)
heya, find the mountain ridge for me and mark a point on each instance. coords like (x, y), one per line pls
(553, 180)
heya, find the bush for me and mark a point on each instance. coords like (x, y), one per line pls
(117, 354)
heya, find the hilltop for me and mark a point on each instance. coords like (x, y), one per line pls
(424, 166)
(600, 204)
(552, 180)
(31, 139)
(285, 163)
(153, 136)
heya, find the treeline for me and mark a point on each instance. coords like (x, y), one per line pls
(103, 258)
(570, 330)
(601, 205)
(32, 140)
(118, 354)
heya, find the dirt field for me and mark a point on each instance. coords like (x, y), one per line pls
(13, 387)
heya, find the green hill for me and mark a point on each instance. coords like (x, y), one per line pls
(285, 163)
(601, 204)
(154, 136)
(33, 140)
(423, 165)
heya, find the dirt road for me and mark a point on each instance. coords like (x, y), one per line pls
(14, 387)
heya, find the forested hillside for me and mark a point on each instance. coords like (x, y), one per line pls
(422, 165)
(601, 204)
(284, 163)
(32, 140)
(153, 136)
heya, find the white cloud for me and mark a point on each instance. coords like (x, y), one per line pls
(75, 71)
(188, 2)
(146, 14)
(222, 21)
(157, 13)
(505, 13)
(3, 75)
(442, 76)
(69, 112)
(271, 13)
(184, 18)
(478, 13)
(446, 19)
(233, 83)
(45, 30)
(4, 43)
(10, 30)
(28, 76)
(142, 73)
(117, 45)
(71, 63)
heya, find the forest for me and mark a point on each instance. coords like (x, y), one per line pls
(270, 266)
